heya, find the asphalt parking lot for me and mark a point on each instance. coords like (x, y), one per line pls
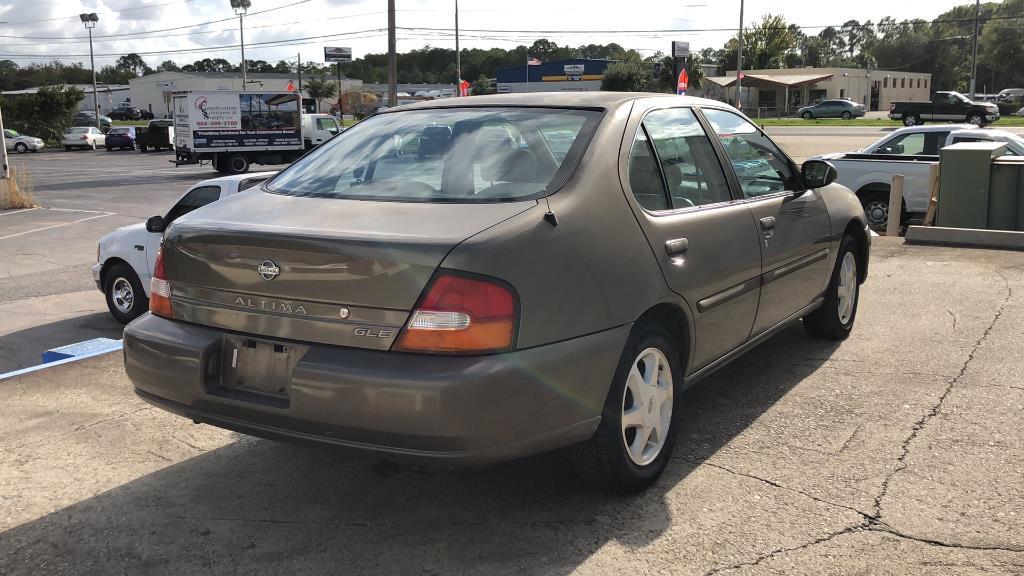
(47, 295)
(898, 451)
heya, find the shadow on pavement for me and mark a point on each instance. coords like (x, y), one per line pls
(257, 506)
(25, 348)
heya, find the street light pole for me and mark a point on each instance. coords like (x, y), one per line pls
(739, 64)
(392, 57)
(240, 7)
(458, 55)
(90, 20)
(974, 60)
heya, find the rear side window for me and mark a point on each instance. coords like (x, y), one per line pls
(762, 168)
(195, 199)
(644, 176)
(471, 154)
(691, 169)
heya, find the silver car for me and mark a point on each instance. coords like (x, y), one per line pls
(456, 282)
(21, 143)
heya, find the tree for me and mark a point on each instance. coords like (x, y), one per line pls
(481, 86)
(168, 66)
(47, 113)
(628, 76)
(133, 63)
(320, 88)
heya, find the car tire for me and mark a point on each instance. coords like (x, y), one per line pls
(20, 148)
(808, 116)
(142, 148)
(110, 148)
(67, 148)
(124, 294)
(237, 164)
(847, 115)
(877, 209)
(912, 120)
(976, 119)
(92, 145)
(834, 319)
(612, 458)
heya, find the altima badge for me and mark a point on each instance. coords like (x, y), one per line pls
(268, 270)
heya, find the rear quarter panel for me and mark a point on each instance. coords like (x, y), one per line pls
(858, 174)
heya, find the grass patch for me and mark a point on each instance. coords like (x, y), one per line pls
(130, 122)
(16, 192)
(1005, 121)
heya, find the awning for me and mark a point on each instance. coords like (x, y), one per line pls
(769, 80)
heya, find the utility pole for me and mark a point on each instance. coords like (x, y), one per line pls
(392, 57)
(299, 68)
(974, 60)
(458, 54)
(739, 64)
(90, 20)
(5, 171)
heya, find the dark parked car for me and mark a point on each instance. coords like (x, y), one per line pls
(945, 107)
(146, 114)
(839, 108)
(122, 137)
(492, 299)
(87, 118)
(126, 113)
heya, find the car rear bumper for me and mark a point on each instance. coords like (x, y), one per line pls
(450, 410)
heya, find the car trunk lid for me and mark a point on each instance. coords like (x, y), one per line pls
(336, 271)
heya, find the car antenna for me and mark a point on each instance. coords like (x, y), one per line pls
(549, 216)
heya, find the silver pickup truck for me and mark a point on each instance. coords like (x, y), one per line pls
(911, 152)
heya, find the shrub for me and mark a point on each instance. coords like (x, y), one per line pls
(46, 114)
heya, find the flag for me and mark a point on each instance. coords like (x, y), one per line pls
(531, 61)
(291, 87)
(684, 82)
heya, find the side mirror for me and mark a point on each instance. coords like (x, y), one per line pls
(818, 173)
(155, 224)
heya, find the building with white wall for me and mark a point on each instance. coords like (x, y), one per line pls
(783, 91)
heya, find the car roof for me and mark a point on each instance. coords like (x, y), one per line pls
(555, 100)
(934, 128)
(233, 178)
(985, 132)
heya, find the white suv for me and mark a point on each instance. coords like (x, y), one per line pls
(125, 258)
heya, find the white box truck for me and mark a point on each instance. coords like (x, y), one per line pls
(233, 130)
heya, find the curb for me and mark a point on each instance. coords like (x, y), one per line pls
(965, 237)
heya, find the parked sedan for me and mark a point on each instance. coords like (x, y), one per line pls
(87, 118)
(125, 258)
(126, 113)
(122, 137)
(83, 137)
(21, 143)
(481, 303)
(839, 108)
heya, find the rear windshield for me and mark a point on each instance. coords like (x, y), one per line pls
(445, 155)
(78, 130)
(119, 131)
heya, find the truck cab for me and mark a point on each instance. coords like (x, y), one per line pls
(319, 128)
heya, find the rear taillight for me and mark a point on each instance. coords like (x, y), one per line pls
(461, 315)
(159, 289)
(85, 137)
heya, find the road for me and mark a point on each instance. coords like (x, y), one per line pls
(898, 451)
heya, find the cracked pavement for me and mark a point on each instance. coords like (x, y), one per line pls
(898, 451)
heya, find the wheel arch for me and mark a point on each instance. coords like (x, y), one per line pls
(855, 229)
(110, 263)
(676, 321)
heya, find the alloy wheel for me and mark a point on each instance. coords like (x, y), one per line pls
(877, 213)
(847, 289)
(647, 406)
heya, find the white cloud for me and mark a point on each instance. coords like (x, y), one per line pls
(58, 18)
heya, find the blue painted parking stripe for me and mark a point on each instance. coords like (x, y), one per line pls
(114, 348)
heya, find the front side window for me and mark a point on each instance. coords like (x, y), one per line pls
(691, 169)
(914, 144)
(471, 154)
(762, 168)
(195, 199)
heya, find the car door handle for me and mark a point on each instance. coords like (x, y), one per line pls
(677, 247)
(768, 223)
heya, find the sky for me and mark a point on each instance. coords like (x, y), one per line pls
(189, 30)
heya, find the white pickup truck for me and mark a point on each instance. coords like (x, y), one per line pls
(908, 151)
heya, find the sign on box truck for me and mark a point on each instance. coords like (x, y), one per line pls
(235, 129)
